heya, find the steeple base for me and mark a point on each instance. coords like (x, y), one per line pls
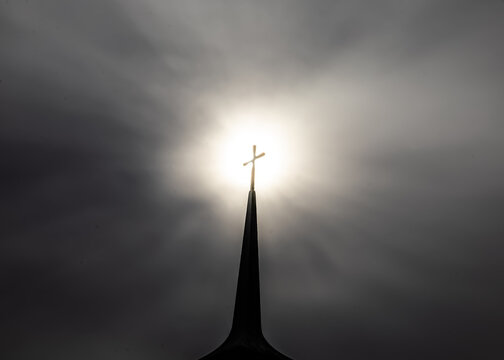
(245, 349)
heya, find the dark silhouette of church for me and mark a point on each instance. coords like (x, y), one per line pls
(246, 340)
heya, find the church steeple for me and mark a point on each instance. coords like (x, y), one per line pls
(247, 312)
(246, 340)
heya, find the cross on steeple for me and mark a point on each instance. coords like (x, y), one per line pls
(252, 178)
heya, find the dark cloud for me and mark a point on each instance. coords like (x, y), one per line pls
(388, 245)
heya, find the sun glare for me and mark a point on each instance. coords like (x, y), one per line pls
(217, 154)
(241, 132)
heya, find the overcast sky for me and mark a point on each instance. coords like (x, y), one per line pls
(118, 240)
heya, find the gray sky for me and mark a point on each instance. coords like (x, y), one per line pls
(120, 241)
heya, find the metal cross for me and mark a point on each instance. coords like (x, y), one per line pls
(252, 179)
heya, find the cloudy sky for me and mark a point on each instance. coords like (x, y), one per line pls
(382, 236)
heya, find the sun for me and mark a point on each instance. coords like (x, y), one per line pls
(240, 132)
(211, 163)
(238, 149)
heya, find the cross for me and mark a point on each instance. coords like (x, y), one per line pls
(252, 179)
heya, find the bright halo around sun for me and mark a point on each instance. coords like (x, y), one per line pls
(241, 132)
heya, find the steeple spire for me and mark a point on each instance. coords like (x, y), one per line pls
(247, 312)
(246, 340)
